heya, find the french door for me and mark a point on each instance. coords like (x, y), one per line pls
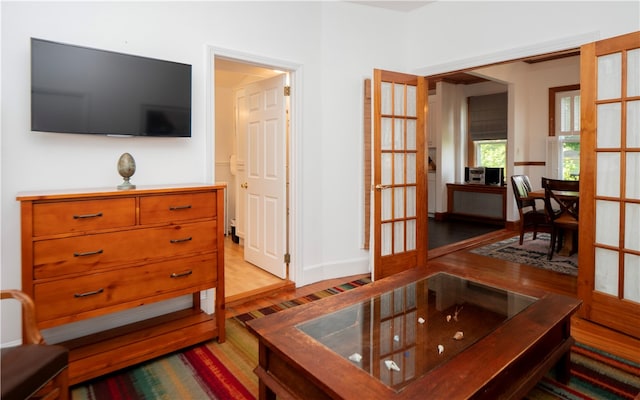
(399, 173)
(609, 257)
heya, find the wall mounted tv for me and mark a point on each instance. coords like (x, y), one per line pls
(82, 90)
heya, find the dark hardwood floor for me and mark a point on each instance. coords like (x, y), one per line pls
(442, 233)
(458, 238)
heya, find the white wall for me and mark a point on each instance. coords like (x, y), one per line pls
(454, 35)
(337, 44)
(225, 145)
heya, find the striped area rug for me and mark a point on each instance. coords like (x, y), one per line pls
(210, 371)
(595, 374)
(224, 371)
(242, 318)
(195, 373)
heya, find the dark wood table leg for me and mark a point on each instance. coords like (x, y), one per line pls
(564, 368)
(264, 393)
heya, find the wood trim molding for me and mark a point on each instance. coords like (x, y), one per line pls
(471, 154)
(529, 163)
(510, 55)
(366, 146)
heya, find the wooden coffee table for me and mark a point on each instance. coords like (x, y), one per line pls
(394, 339)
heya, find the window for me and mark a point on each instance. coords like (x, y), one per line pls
(568, 112)
(488, 130)
(491, 153)
(569, 158)
(563, 159)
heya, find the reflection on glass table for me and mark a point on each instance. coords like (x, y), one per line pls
(401, 335)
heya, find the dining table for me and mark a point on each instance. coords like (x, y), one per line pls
(539, 194)
(567, 245)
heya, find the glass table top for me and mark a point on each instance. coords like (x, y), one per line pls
(401, 335)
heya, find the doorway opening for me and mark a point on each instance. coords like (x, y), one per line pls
(243, 143)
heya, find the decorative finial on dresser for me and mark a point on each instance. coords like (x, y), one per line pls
(126, 169)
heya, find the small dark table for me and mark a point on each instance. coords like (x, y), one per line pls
(510, 340)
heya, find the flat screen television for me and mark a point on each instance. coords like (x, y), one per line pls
(77, 89)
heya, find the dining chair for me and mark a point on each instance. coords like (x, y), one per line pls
(532, 219)
(33, 369)
(561, 205)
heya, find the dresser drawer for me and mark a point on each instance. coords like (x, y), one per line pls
(178, 207)
(83, 215)
(89, 293)
(82, 254)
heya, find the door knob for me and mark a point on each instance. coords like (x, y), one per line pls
(244, 185)
(379, 187)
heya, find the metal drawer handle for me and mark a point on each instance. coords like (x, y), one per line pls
(181, 274)
(175, 208)
(98, 214)
(181, 240)
(89, 293)
(88, 253)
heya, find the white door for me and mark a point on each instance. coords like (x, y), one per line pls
(265, 186)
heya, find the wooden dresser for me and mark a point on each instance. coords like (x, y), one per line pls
(90, 253)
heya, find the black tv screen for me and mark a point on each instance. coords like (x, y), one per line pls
(82, 90)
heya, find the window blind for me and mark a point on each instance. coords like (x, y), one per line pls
(488, 117)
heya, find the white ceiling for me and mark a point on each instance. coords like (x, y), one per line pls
(405, 6)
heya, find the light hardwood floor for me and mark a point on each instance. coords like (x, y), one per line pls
(245, 294)
(244, 281)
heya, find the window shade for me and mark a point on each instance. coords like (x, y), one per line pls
(488, 117)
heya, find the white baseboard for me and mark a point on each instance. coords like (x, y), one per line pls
(343, 268)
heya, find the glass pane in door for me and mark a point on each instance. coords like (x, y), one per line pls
(386, 239)
(609, 116)
(411, 234)
(398, 170)
(633, 73)
(633, 172)
(387, 134)
(609, 76)
(608, 175)
(411, 201)
(606, 271)
(398, 134)
(398, 246)
(411, 101)
(398, 99)
(411, 134)
(632, 228)
(386, 98)
(398, 202)
(632, 277)
(607, 221)
(633, 123)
